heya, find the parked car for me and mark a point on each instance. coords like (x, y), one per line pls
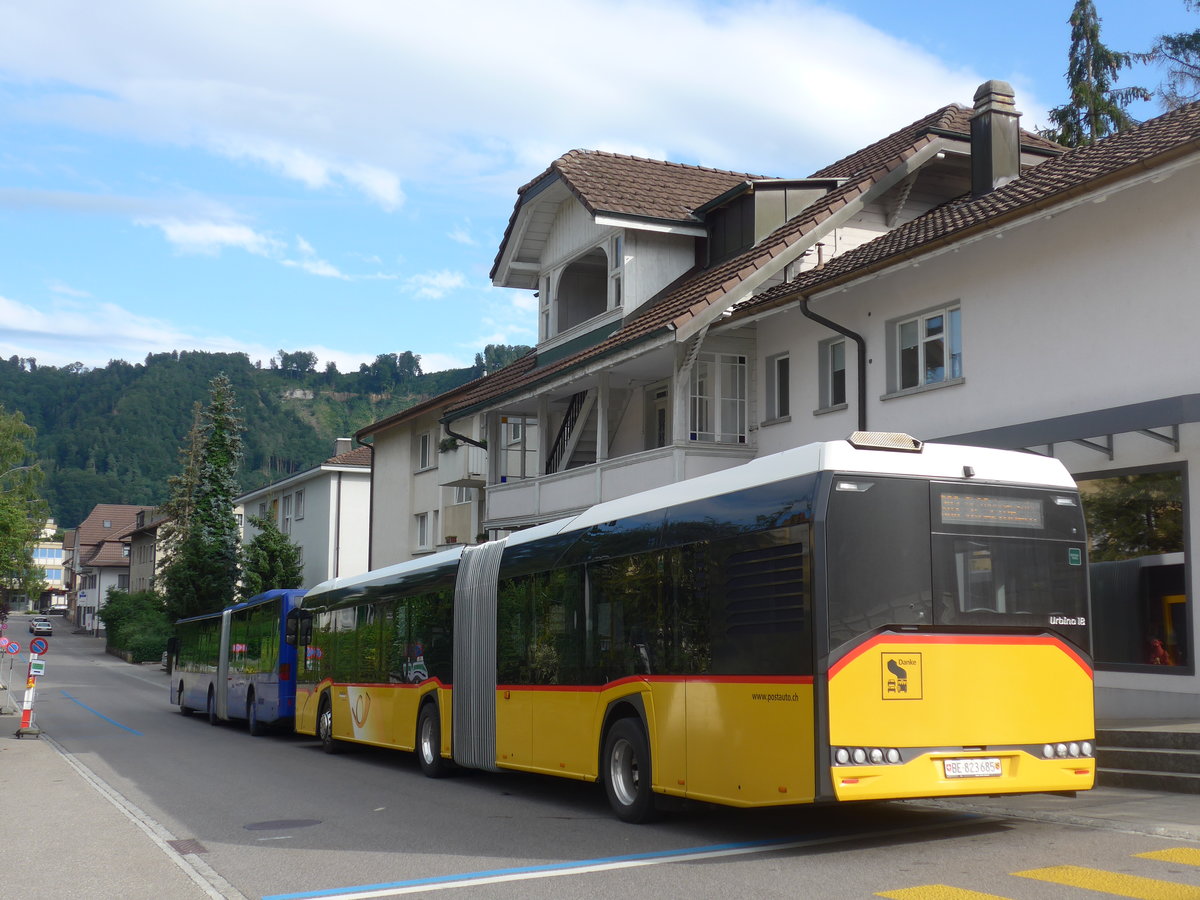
(41, 625)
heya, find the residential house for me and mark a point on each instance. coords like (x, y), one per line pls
(48, 555)
(959, 280)
(100, 560)
(144, 550)
(324, 510)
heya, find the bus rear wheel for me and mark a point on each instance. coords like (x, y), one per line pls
(325, 727)
(429, 742)
(626, 772)
(184, 709)
(256, 728)
(213, 719)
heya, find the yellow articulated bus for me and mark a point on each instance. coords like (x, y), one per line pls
(852, 620)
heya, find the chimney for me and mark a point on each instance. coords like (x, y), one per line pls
(995, 138)
(343, 445)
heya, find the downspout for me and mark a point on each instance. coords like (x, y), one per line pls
(337, 528)
(482, 445)
(371, 500)
(862, 357)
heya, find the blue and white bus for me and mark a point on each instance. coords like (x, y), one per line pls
(235, 664)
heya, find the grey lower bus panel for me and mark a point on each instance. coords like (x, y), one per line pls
(474, 706)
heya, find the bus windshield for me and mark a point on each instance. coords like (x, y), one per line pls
(907, 551)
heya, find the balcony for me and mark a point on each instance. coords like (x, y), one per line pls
(520, 503)
(464, 466)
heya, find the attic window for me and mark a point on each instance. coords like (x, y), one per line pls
(108, 523)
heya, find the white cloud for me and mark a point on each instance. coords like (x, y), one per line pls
(210, 238)
(311, 263)
(374, 94)
(434, 285)
(66, 290)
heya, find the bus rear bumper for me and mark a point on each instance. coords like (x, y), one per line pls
(958, 774)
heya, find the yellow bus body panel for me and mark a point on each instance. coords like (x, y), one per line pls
(383, 715)
(961, 696)
(740, 742)
(750, 743)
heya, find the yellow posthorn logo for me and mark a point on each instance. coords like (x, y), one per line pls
(901, 676)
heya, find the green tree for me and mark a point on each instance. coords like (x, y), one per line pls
(1096, 108)
(270, 561)
(22, 511)
(136, 623)
(1180, 53)
(200, 572)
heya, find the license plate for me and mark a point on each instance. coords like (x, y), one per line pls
(975, 767)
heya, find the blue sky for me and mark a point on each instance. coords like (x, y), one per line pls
(335, 176)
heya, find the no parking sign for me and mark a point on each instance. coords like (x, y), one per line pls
(38, 646)
(13, 647)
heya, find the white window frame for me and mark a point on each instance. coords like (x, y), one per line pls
(462, 494)
(421, 531)
(779, 388)
(831, 356)
(616, 269)
(299, 510)
(918, 349)
(285, 514)
(717, 403)
(424, 451)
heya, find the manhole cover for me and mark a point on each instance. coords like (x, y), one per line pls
(277, 824)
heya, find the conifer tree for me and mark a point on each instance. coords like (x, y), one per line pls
(1096, 108)
(270, 561)
(1180, 53)
(200, 573)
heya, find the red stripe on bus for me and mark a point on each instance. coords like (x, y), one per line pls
(663, 679)
(981, 639)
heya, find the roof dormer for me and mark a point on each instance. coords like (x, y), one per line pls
(748, 212)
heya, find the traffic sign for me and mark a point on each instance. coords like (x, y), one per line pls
(39, 646)
(37, 667)
(3, 642)
(13, 647)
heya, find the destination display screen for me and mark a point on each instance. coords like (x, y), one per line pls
(979, 509)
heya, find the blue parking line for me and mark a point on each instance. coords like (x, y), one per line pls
(492, 876)
(101, 715)
(664, 856)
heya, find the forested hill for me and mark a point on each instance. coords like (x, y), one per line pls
(113, 435)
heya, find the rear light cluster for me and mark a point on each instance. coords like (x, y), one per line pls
(1071, 750)
(862, 756)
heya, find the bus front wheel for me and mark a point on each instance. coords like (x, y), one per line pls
(325, 727)
(429, 742)
(626, 772)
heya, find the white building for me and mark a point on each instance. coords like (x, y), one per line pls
(324, 510)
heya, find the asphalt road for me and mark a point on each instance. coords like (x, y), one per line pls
(274, 816)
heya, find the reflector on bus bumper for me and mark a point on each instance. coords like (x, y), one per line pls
(953, 772)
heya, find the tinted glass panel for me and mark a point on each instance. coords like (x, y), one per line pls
(877, 548)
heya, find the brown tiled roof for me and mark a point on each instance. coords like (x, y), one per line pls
(954, 119)
(630, 185)
(359, 456)
(121, 519)
(1055, 181)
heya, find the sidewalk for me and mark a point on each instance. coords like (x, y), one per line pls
(68, 837)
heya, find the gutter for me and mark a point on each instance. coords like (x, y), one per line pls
(862, 357)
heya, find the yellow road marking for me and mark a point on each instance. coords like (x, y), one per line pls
(1117, 883)
(1188, 856)
(937, 892)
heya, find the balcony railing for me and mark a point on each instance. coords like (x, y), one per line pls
(540, 499)
(464, 466)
